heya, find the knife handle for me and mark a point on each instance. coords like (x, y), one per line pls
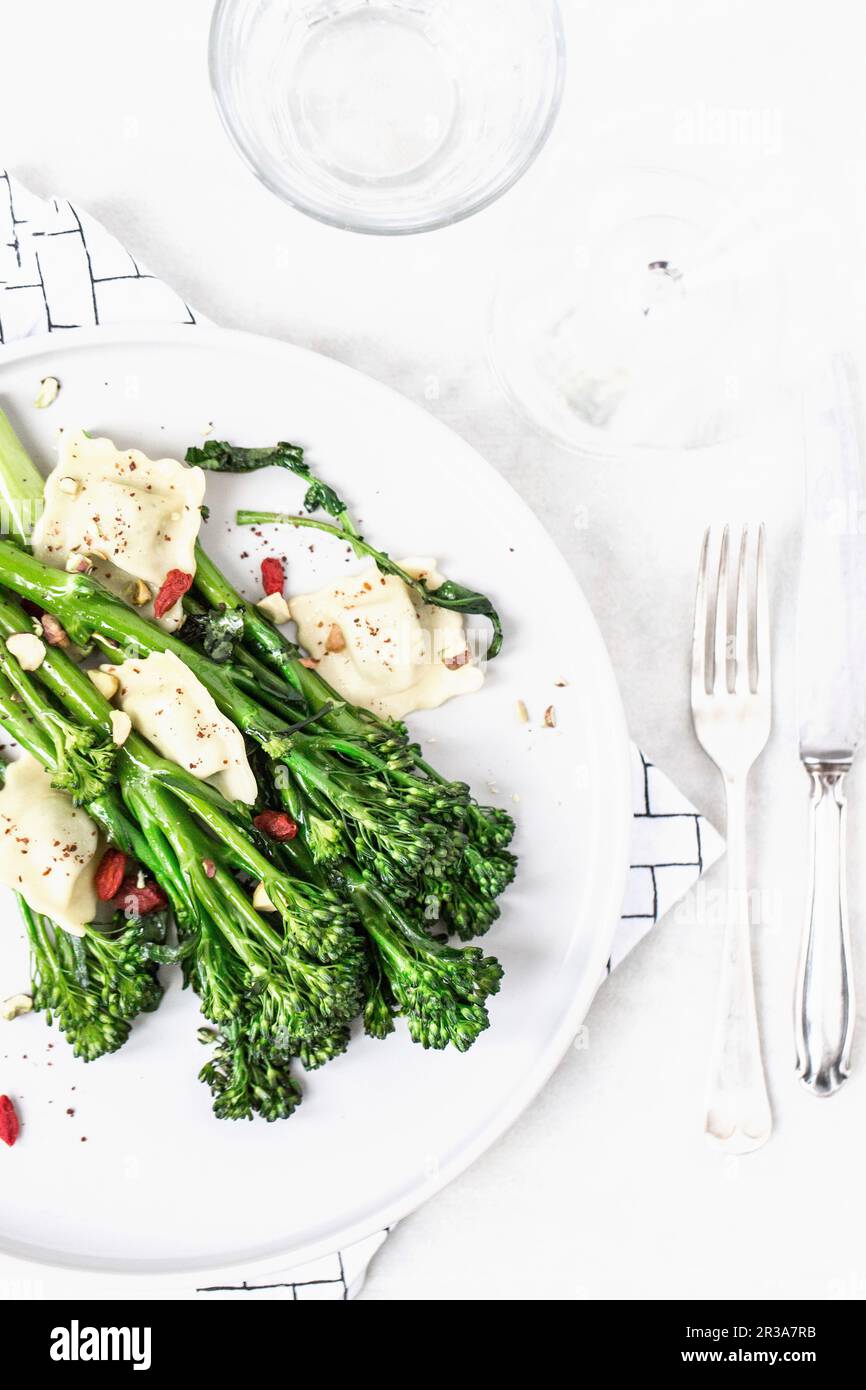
(824, 1005)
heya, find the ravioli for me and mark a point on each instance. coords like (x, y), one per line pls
(379, 645)
(170, 707)
(49, 848)
(132, 517)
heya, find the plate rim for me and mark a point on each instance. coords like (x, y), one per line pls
(608, 896)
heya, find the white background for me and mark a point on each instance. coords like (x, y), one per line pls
(604, 1188)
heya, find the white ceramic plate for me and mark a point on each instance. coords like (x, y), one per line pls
(142, 1179)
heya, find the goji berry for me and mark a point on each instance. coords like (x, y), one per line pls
(135, 901)
(10, 1126)
(276, 824)
(174, 586)
(273, 575)
(109, 875)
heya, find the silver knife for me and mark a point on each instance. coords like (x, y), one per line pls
(831, 659)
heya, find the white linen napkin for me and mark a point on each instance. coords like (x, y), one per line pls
(60, 269)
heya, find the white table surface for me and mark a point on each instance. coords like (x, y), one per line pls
(604, 1188)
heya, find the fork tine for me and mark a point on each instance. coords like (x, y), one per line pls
(741, 639)
(720, 643)
(762, 619)
(699, 639)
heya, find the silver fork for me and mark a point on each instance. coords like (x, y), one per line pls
(731, 714)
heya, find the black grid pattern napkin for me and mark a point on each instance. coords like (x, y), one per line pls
(60, 269)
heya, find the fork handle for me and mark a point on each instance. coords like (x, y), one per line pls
(738, 1109)
(824, 1018)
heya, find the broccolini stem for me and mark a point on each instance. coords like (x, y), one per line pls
(21, 484)
(266, 641)
(320, 923)
(23, 728)
(85, 609)
(107, 809)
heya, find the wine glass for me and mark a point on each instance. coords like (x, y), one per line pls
(635, 310)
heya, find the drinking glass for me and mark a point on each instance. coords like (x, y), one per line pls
(388, 115)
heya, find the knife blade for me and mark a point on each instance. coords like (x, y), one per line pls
(831, 663)
(831, 615)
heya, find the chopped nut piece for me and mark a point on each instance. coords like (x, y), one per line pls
(69, 485)
(78, 564)
(550, 717)
(310, 662)
(15, 1005)
(138, 593)
(209, 867)
(335, 641)
(53, 633)
(28, 650)
(121, 727)
(261, 901)
(99, 554)
(48, 389)
(274, 606)
(454, 663)
(106, 683)
(561, 684)
(522, 712)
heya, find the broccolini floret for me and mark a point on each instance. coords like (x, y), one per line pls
(94, 985)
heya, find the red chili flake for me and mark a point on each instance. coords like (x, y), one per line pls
(174, 586)
(273, 575)
(276, 824)
(136, 901)
(10, 1126)
(109, 875)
